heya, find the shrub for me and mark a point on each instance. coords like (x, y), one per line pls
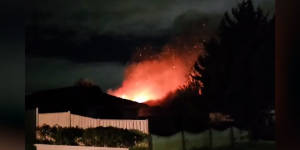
(112, 137)
(100, 136)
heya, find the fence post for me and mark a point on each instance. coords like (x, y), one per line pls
(69, 113)
(37, 116)
(147, 126)
(150, 141)
(210, 139)
(232, 136)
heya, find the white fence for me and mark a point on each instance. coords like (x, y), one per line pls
(199, 140)
(66, 119)
(67, 147)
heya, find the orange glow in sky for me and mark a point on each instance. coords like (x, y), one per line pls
(153, 79)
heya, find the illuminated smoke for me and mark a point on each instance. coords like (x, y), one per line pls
(153, 79)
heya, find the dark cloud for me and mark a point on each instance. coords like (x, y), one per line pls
(99, 31)
(98, 48)
(47, 73)
(70, 39)
(120, 16)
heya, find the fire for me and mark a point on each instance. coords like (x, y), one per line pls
(140, 97)
(153, 79)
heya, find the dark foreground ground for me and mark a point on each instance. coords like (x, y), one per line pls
(246, 146)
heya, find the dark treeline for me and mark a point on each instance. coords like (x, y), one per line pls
(235, 78)
(238, 73)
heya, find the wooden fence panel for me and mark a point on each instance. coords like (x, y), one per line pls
(66, 119)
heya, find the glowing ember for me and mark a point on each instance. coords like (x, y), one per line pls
(153, 79)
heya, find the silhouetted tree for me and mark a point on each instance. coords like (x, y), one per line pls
(238, 73)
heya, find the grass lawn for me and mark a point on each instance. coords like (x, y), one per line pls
(200, 141)
(246, 146)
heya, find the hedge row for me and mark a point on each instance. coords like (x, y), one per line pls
(100, 136)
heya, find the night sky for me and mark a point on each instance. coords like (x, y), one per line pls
(68, 39)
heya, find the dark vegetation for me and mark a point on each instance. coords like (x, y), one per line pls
(100, 136)
(238, 73)
(235, 77)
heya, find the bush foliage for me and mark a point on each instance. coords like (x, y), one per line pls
(99, 136)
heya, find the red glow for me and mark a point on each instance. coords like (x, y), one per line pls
(154, 79)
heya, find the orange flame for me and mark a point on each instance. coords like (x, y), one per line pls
(154, 79)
